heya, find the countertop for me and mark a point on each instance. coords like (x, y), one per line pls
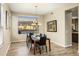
(75, 32)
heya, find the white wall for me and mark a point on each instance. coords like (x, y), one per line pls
(6, 32)
(58, 37)
(21, 37)
(42, 26)
(15, 36)
(68, 28)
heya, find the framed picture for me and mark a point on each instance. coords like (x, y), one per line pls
(52, 26)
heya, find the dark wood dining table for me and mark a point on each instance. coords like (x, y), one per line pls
(36, 40)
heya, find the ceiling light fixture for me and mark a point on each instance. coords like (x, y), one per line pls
(35, 22)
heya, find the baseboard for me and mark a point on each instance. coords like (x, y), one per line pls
(18, 41)
(58, 44)
(8, 48)
(61, 44)
(68, 45)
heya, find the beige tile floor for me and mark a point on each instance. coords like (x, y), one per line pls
(20, 49)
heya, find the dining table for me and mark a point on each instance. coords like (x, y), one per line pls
(37, 38)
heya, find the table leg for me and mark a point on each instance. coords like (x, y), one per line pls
(34, 47)
(49, 46)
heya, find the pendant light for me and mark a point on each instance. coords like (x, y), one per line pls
(35, 22)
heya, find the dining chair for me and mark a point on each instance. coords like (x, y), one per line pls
(42, 43)
(31, 41)
(27, 40)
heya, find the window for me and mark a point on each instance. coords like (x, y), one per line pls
(24, 24)
(1, 32)
(0, 14)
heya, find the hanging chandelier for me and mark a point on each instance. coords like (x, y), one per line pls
(35, 21)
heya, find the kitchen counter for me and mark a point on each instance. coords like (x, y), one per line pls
(75, 32)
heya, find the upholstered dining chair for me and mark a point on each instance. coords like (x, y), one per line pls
(28, 41)
(31, 41)
(42, 43)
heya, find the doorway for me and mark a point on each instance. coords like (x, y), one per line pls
(71, 28)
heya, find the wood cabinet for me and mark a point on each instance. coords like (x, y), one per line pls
(75, 37)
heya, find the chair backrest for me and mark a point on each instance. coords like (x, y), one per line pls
(42, 40)
(30, 34)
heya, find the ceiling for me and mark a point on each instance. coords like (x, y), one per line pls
(29, 8)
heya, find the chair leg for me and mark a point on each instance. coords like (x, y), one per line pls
(39, 50)
(36, 48)
(46, 48)
(42, 47)
(30, 47)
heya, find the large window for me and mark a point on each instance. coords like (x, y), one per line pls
(25, 24)
(0, 14)
(1, 30)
